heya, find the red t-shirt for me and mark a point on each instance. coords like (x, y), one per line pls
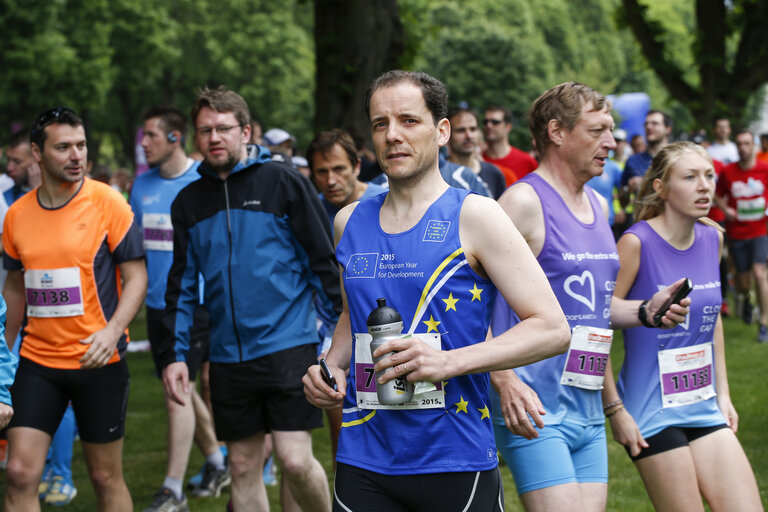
(745, 190)
(515, 165)
(715, 213)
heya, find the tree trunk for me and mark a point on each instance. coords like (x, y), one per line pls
(355, 41)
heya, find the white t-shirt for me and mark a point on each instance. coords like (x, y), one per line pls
(725, 153)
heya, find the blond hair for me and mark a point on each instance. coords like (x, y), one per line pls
(649, 202)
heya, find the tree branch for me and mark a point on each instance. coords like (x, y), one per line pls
(650, 36)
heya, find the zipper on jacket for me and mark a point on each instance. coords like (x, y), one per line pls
(229, 273)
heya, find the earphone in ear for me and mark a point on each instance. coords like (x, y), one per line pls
(172, 137)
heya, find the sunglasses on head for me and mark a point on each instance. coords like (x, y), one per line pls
(48, 117)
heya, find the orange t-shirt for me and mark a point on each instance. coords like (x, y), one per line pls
(70, 258)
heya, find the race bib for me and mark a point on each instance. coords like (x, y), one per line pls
(686, 375)
(587, 357)
(365, 379)
(750, 209)
(54, 293)
(158, 231)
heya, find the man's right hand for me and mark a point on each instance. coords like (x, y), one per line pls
(319, 393)
(520, 406)
(173, 375)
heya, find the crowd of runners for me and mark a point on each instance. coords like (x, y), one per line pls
(500, 270)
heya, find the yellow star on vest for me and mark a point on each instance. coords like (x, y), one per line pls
(484, 413)
(431, 324)
(476, 292)
(450, 302)
(461, 405)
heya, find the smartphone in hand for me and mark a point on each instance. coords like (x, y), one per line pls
(327, 375)
(681, 293)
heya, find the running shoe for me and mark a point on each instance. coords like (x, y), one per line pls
(165, 501)
(45, 482)
(746, 313)
(762, 334)
(60, 492)
(196, 479)
(214, 480)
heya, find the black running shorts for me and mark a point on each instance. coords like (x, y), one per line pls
(263, 394)
(99, 399)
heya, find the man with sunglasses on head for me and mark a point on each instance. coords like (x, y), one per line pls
(74, 257)
(257, 232)
(514, 163)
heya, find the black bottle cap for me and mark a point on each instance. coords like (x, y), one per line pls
(383, 314)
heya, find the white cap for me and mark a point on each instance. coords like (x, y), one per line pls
(277, 136)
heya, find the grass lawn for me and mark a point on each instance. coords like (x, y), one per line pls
(144, 453)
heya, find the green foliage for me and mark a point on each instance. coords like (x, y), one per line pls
(510, 51)
(110, 60)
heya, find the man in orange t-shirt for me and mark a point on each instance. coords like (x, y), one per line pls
(762, 155)
(74, 257)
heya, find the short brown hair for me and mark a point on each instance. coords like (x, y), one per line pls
(325, 140)
(562, 103)
(221, 99)
(432, 90)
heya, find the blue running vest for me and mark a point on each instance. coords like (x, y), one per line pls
(424, 274)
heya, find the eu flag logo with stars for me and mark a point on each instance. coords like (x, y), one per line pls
(362, 265)
(436, 230)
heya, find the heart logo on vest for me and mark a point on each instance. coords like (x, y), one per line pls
(684, 325)
(585, 280)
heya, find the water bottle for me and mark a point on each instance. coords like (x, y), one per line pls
(385, 324)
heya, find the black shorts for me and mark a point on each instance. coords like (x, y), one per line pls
(748, 252)
(199, 337)
(357, 489)
(99, 398)
(673, 437)
(264, 394)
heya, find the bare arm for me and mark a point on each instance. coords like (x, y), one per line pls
(729, 212)
(624, 313)
(103, 342)
(317, 391)
(13, 293)
(623, 425)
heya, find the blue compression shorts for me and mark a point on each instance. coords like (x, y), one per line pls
(562, 454)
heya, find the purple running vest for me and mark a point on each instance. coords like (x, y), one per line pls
(581, 263)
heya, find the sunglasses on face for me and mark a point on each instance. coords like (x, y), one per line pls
(494, 122)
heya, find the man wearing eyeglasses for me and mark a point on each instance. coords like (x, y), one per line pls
(513, 162)
(257, 232)
(75, 259)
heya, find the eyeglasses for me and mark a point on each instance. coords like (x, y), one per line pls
(222, 129)
(48, 117)
(494, 122)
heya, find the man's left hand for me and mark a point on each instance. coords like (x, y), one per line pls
(6, 413)
(102, 347)
(414, 358)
